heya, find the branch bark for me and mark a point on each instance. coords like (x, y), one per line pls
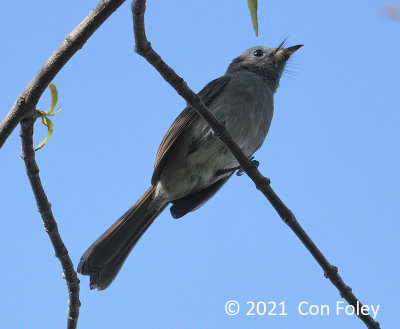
(50, 225)
(25, 104)
(144, 48)
(23, 111)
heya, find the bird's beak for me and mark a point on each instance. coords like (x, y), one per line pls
(290, 50)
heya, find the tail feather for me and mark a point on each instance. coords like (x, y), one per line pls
(105, 257)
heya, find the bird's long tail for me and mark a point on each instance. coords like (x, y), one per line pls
(105, 257)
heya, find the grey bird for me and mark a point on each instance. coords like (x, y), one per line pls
(192, 164)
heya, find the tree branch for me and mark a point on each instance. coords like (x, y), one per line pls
(50, 225)
(23, 111)
(143, 47)
(25, 104)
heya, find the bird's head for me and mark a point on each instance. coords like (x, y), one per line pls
(268, 62)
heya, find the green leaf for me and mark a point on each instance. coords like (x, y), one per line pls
(253, 13)
(44, 115)
(50, 114)
(47, 122)
(54, 97)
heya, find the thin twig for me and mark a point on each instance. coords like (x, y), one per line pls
(143, 47)
(25, 104)
(50, 225)
(23, 111)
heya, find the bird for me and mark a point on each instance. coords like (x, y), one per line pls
(192, 163)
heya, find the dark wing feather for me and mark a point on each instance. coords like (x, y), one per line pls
(188, 203)
(184, 120)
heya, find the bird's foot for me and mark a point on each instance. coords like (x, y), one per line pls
(255, 163)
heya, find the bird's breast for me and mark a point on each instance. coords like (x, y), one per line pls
(245, 108)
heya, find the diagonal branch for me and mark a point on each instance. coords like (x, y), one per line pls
(25, 104)
(143, 48)
(50, 225)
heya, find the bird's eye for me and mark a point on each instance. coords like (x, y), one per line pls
(258, 53)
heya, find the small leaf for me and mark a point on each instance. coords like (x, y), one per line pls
(252, 4)
(54, 97)
(44, 115)
(47, 122)
(53, 114)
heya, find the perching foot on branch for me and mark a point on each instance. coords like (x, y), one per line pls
(255, 163)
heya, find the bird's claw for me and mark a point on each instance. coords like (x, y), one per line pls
(240, 172)
(255, 163)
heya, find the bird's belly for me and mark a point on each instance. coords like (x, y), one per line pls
(194, 172)
(196, 165)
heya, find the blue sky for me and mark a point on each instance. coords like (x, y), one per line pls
(331, 154)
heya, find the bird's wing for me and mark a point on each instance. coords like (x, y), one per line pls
(183, 121)
(191, 202)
